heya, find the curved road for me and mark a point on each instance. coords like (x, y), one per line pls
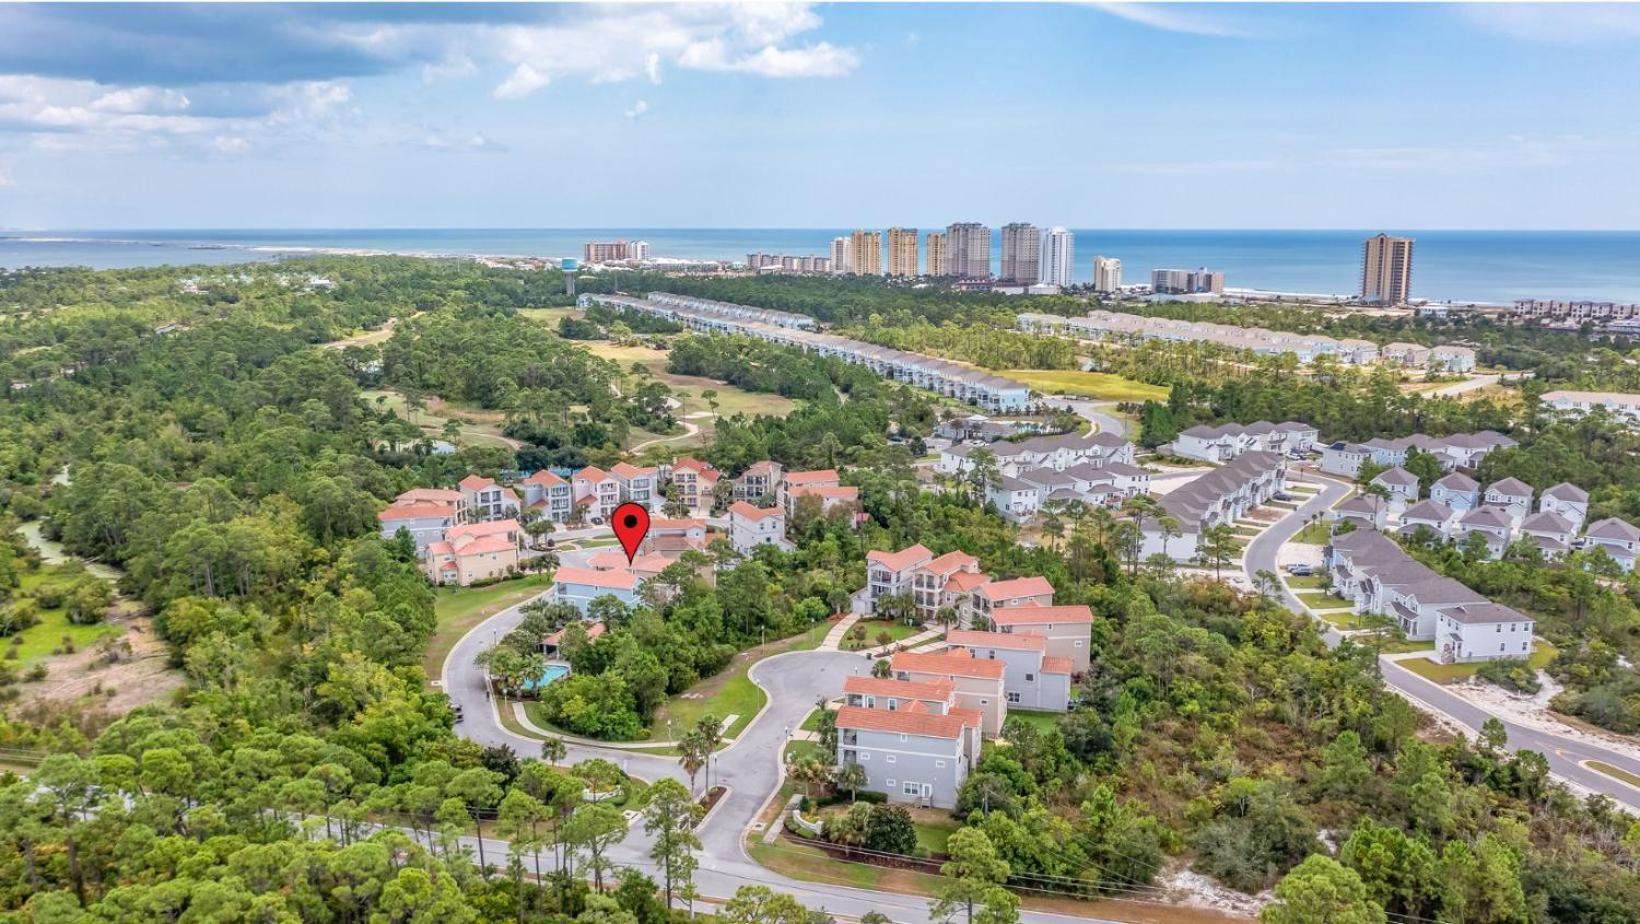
(1566, 754)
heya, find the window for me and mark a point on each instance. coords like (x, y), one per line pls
(890, 784)
(865, 756)
(939, 763)
(1030, 678)
(910, 788)
(1013, 697)
(1078, 643)
(891, 758)
(902, 739)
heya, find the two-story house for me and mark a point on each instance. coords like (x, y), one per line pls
(912, 754)
(578, 587)
(424, 513)
(1032, 679)
(1618, 537)
(1457, 491)
(977, 684)
(1068, 629)
(1568, 500)
(750, 527)
(474, 552)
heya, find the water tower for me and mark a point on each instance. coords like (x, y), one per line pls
(569, 265)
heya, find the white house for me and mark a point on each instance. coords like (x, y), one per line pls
(1511, 493)
(1577, 403)
(1458, 491)
(1068, 629)
(1032, 680)
(1618, 537)
(911, 754)
(1483, 632)
(750, 527)
(1343, 458)
(1568, 500)
(1367, 510)
(1400, 484)
(1436, 516)
(483, 499)
(1550, 532)
(1494, 523)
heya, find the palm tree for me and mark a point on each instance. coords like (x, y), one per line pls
(851, 777)
(692, 755)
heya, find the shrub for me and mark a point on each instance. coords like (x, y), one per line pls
(1511, 675)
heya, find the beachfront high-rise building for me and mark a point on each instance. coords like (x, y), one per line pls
(1107, 275)
(968, 248)
(842, 255)
(1386, 269)
(611, 251)
(1058, 257)
(939, 260)
(902, 252)
(1187, 282)
(867, 247)
(1021, 253)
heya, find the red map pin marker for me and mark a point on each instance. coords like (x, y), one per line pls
(631, 522)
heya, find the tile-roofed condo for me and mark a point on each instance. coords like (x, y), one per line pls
(933, 691)
(968, 638)
(978, 682)
(949, 665)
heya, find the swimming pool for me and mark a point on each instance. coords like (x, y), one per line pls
(553, 672)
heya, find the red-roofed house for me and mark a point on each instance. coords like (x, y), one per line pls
(473, 552)
(889, 574)
(1031, 680)
(760, 482)
(424, 513)
(596, 492)
(483, 499)
(552, 642)
(750, 527)
(1024, 591)
(824, 478)
(692, 483)
(833, 500)
(978, 683)
(915, 756)
(1068, 629)
(550, 494)
(638, 485)
(580, 586)
(929, 581)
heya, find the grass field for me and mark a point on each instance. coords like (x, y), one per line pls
(550, 316)
(1043, 721)
(933, 835)
(458, 609)
(1320, 601)
(41, 640)
(1542, 654)
(1616, 773)
(1313, 582)
(1316, 533)
(478, 426)
(897, 631)
(1101, 385)
(730, 692)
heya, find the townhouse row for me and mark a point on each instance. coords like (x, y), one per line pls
(1377, 576)
(1110, 325)
(965, 383)
(1221, 496)
(1224, 442)
(1459, 450)
(1096, 469)
(1501, 514)
(1625, 407)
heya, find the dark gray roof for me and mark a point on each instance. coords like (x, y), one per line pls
(1566, 491)
(1396, 476)
(1513, 487)
(1613, 528)
(1458, 481)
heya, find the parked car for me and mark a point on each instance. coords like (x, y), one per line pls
(1300, 570)
(1284, 496)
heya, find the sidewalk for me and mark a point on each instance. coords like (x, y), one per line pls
(834, 638)
(926, 635)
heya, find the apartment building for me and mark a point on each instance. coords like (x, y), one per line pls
(614, 251)
(750, 527)
(902, 252)
(1577, 312)
(472, 552)
(1222, 495)
(639, 485)
(1058, 452)
(842, 255)
(939, 257)
(1058, 252)
(969, 248)
(976, 684)
(866, 250)
(1459, 450)
(1067, 629)
(483, 499)
(759, 482)
(931, 579)
(693, 483)
(913, 754)
(889, 574)
(991, 596)
(992, 392)
(1032, 680)
(1107, 275)
(1386, 269)
(424, 513)
(578, 587)
(552, 496)
(597, 493)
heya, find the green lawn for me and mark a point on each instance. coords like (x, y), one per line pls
(932, 836)
(1617, 773)
(1542, 654)
(1320, 601)
(812, 722)
(729, 693)
(1100, 385)
(458, 609)
(1312, 582)
(1317, 533)
(801, 750)
(41, 640)
(897, 631)
(550, 316)
(1043, 721)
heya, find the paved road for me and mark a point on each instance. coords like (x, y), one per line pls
(1565, 753)
(1092, 411)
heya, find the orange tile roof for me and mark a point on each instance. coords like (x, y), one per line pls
(970, 639)
(1038, 614)
(593, 631)
(743, 509)
(428, 495)
(650, 564)
(1056, 665)
(905, 723)
(484, 545)
(416, 511)
(590, 473)
(901, 560)
(939, 690)
(544, 477)
(490, 528)
(615, 580)
(1018, 587)
(951, 562)
(811, 479)
(607, 560)
(660, 523)
(477, 482)
(964, 581)
(952, 663)
(828, 492)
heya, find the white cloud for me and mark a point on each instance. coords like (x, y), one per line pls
(1191, 20)
(230, 144)
(652, 67)
(141, 99)
(524, 81)
(1561, 23)
(638, 108)
(445, 141)
(5, 177)
(819, 60)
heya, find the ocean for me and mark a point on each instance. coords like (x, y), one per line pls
(1490, 266)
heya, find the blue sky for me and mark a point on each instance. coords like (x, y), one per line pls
(799, 115)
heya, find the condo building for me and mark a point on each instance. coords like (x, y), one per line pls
(939, 259)
(1021, 253)
(969, 250)
(1107, 275)
(612, 251)
(1058, 257)
(842, 255)
(902, 252)
(1386, 269)
(867, 253)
